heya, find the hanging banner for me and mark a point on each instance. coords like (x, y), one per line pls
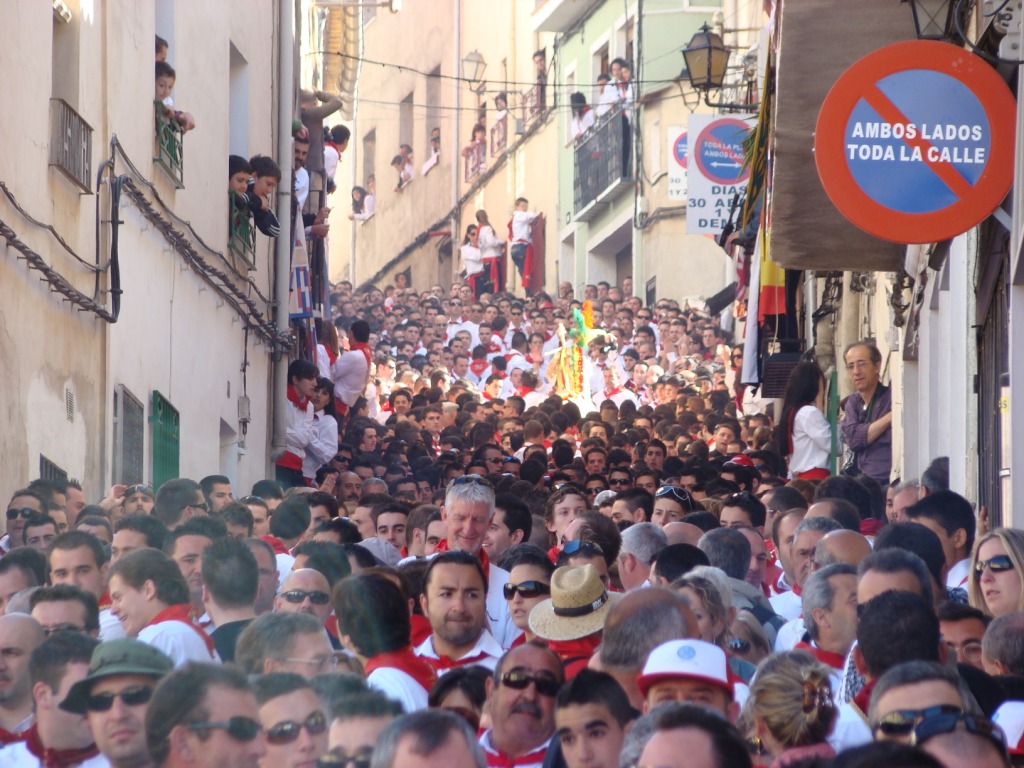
(716, 171)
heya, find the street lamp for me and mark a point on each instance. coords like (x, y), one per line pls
(473, 67)
(706, 60)
(932, 18)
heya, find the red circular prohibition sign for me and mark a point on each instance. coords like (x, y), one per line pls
(830, 150)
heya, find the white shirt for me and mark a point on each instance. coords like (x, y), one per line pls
(789, 635)
(788, 605)
(324, 446)
(16, 755)
(521, 222)
(472, 261)
(100, 761)
(491, 246)
(486, 644)
(301, 187)
(349, 374)
(582, 123)
(110, 626)
(958, 573)
(850, 729)
(400, 686)
(812, 441)
(180, 641)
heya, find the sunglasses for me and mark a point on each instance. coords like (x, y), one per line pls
(940, 724)
(131, 490)
(996, 564)
(132, 696)
(527, 589)
(338, 759)
(289, 730)
(201, 505)
(238, 728)
(901, 722)
(595, 489)
(618, 481)
(739, 645)
(472, 480)
(65, 627)
(576, 546)
(316, 597)
(14, 514)
(520, 681)
(678, 493)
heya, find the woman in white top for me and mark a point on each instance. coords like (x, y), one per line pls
(325, 429)
(492, 250)
(803, 434)
(471, 262)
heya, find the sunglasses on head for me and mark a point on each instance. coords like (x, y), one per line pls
(677, 493)
(527, 589)
(937, 725)
(471, 479)
(576, 546)
(996, 564)
(238, 728)
(297, 596)
(25, 512)
(900, 722)
(131, 490)
(132, 696)
(288, 731)
(520, 681)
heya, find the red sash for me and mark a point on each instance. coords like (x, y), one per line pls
(478, 367)
(10, 737)
(444, 663)
(419, 669)
(57, 758)
(834, 660)
(871, 526)
(442, 546)
(183, 613)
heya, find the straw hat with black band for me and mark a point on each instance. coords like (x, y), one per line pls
(577, 607)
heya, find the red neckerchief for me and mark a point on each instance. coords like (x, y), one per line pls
(520, 640)
(361, 346)
(443, 663)
(183, 613)
(478, 367)
(523, 391)
(495, 345)
(553, 554)
(419, 669)
(575, 654)
(57, 758)
(863, 697)
(421, 629)
(332, 357)
(834, 660)
(766, 589)
(442, 546)
(871, 526)
(10, 737)
(547, 336)
(276, 544)
(293, 397)
(105, 601)
(498, 759)
(609, 395)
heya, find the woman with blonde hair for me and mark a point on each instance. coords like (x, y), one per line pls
(790, 708)
(707, 591)
(997, 564)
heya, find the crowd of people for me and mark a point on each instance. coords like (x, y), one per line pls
(458, 564)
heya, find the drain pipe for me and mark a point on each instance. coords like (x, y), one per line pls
(282, 246)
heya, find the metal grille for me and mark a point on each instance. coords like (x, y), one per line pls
(70, 144)
(129, 434)
(165, 427)
(169, 152)
(993, 389)
(499, 136)
(241, 233)
(476, 160)
(69, 405)
(48, 470)
(601, 163)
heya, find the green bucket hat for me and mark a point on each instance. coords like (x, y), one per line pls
(117, 657)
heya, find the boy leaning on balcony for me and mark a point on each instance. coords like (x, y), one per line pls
(239, 172)
(266, 175)
(165, 77)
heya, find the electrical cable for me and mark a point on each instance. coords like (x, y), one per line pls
(48, 227)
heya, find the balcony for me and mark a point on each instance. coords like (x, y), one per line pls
(241, 232)
(602, 167)
(532, 103)
(70, 144)
(475, 160)
(558, 15)
(169, 150)
(499, 136)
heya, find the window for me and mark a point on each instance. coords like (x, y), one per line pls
(165, 25)
(238, 104)
(165, 431)
(627, 39)
(600, 62)
(70, 135)
(369, 154)
(129, 430)
(433, 104)
(48, 470)
(406, 121)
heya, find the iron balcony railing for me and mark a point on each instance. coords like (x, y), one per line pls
(71, 144)
(241, 232)
(602, 163)
(499, 136)
(169, 150)
(476, 160)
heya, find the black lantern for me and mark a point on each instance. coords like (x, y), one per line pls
(932, 18)
(706, 60)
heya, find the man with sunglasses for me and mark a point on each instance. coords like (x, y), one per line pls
(910, 692)
(114, 696)
(521, 700)
(204, 716)
(293, 720)
(23, 504)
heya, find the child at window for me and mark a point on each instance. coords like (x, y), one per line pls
(265, 177)
(165, 77)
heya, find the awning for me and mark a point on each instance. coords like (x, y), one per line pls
(819, 40)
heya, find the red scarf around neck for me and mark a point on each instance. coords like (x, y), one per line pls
(834, 660)
(10, 737)
(361, 346)
(182, 612)
(293, 397)
(442, 546)
(57, 758)
(419, 669)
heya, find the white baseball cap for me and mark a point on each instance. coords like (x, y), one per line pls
(689, 659)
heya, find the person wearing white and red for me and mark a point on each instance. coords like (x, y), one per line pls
(950, 517)
(454, 601)
(521, 701)
(830, 615)
(150, 597)
(351, 371)
(374, 624)
(613, 390)
(691, 671)
(302, 377)
(58, 738)
(22, 634)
